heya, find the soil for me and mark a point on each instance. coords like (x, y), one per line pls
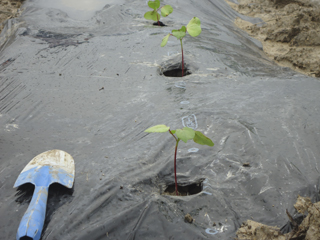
(9, 9)
(290, 34)
(188, 218)
(308, 229)
(184, 190)
(289, 31)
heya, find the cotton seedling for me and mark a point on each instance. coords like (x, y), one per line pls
(183, 134)
(193, 28)
(154, 15)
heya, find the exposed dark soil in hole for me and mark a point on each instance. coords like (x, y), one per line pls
(184, 190)
(176, 72)
(161, 24)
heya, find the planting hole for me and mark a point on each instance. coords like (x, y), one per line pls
(177, 72)
(184, 190)
(161, 24)
(173, 67)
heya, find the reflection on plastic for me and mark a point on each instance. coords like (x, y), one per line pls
(184, 102)
(77, 9)
(172, 53)
(207, 193)
(180, 85)
(190, 121)
(211, 231)
(193, 150)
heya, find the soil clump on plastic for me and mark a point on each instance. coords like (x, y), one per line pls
(9, 9)
(308, 229)
(289, 31)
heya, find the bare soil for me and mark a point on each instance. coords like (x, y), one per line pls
(308, 229)
(289, 31)
(9, 9)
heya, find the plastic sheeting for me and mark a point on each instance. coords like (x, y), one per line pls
(90, 85)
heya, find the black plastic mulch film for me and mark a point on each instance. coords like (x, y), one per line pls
(87, 79)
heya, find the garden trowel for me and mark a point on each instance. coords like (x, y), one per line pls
(54, 166)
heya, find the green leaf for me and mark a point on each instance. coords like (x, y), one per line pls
(193, 27)
(179, 34)
(154, 4)
(166, 10)
(165, 40)
(173, 131)
(152, 15)
(185, 134)
(158, 128)
(200, 138)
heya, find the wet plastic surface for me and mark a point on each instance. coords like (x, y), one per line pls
(92, 86)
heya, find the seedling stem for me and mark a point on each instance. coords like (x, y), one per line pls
(182, 57)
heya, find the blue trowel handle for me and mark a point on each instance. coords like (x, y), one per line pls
(32, 222)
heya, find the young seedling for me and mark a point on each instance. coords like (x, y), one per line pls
(183, 134)
(154, 15)
(193, 28)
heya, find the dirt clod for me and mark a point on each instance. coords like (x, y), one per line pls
(309, 229)
(188, 218)
(289, 31)
(9, 9)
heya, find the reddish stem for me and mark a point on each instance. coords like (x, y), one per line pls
(175, 167)
(182, 58)
(175, 162)
(173, 135)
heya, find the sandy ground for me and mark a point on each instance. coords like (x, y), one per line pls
(289, 31)
(308, 229)
(290, 34)
(9, 9)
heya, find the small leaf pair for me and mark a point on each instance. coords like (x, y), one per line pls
(183, 134)
(154, 15)
(193, 28)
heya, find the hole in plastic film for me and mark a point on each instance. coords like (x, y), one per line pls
(190, 121)
(157, 24)
(193, 150)
(211, 231)
(176, 72)
(185, 190)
